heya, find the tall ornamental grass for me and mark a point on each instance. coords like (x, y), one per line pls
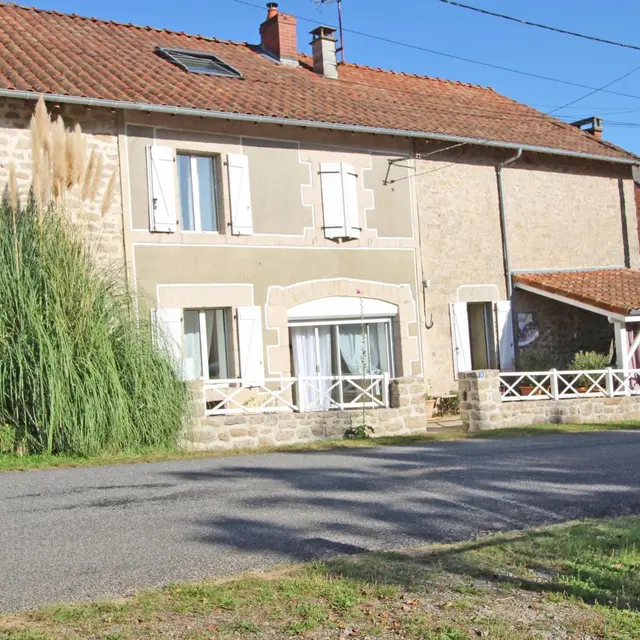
(80, 368)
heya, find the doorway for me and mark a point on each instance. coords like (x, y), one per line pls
(482, 335)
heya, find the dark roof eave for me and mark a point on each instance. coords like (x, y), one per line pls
(205, 113)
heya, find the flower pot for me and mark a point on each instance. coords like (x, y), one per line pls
(429, 408)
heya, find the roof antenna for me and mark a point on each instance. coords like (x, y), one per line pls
(340, 49)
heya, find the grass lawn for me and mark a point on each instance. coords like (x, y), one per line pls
(25, 463)
(575, 581)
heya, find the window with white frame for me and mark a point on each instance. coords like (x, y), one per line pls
(351, 348)
(206, 344)
(198, 191)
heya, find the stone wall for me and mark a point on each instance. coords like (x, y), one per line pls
(99, 127)
(253, 430)
(482, 409)
(563, 329)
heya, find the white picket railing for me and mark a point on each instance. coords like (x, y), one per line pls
(300, 394)
(557, 385)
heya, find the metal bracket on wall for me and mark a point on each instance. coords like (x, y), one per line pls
(427, 323)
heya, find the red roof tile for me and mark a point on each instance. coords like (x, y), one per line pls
(614, 290)
(54, 53)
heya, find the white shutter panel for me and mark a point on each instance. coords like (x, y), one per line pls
(168, 328)
(505, 335)
(240, 195)
(461, 339)
(250, 345)
(333, 204)
(162, 189)
(350, 193)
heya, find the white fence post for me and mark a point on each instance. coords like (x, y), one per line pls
(609, 383)
(301, 406)
(385, 390)
(555, 392)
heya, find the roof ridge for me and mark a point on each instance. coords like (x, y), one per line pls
(130, 25)
(409, 75)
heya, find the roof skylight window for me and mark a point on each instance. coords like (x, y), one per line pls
(199, 62)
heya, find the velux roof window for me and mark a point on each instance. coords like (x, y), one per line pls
(198, 62)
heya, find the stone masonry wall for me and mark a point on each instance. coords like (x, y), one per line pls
(252, 430)
(105, 235)
(564, 330)
(482, 409)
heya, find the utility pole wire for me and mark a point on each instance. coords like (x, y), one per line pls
(455, 57)
(542, 26)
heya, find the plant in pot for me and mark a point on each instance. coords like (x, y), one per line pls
(531, 360)
(429, 405)
(588, 361)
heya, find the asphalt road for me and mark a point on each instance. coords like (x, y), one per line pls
(73, 534)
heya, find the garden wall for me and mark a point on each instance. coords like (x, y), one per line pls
(251, 430)
(482, 408)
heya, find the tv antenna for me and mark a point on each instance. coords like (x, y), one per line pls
(340, 49)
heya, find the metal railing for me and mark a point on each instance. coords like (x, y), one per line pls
(301, 394)
(558, 385)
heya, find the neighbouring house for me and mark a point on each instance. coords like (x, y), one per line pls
(314, 235)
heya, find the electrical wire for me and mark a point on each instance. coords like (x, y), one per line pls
(541, 26)
(455, 57)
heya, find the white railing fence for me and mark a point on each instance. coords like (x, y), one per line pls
(300, 394)
(557, 385)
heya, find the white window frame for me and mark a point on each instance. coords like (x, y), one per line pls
(335, 324)
(195, 191)
(204, 353)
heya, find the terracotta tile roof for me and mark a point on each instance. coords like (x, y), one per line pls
(614, 290)
(54, 53)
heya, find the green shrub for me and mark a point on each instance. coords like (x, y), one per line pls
(79, 369)
(358, 432)
(588, 360)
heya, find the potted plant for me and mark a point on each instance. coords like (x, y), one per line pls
(429, 405)
(531, 360)
(588, 361)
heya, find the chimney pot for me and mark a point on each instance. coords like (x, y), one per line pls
(278, 35)
(323, 46)
(272, 10)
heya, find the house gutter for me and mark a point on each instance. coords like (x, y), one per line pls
(503, 221)
(242, 117)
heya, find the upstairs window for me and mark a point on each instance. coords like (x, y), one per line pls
(197, 185)
(199, 62)
(339, 183)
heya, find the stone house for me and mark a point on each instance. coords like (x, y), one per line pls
(308, 232)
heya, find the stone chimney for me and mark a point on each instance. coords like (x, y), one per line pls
(278, 35)
(323, 47)
(591, 125)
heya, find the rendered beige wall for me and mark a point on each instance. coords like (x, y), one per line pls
(284, 178)
(99, 126)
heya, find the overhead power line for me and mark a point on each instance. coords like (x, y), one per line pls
(587, 95)
(542, 26)
(456, 57)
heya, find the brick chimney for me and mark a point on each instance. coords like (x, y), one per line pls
(323, 47)
(278, 35)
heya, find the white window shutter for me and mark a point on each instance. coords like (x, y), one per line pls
(162, 188)
(250, 345)
(505, 335)
(461, 338)
(353, 225)
(240, 195)
(168, 333)
(333, 203)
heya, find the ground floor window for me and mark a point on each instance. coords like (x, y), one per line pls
(331, 349)
(206, 344)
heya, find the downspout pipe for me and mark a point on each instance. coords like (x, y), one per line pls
(503, 221)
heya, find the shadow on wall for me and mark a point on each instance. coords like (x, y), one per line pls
(299, 507)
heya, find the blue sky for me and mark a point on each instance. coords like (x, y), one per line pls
(441, 27)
